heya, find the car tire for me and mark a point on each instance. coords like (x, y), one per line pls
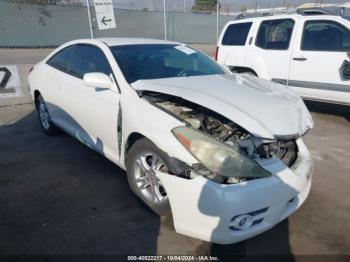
(44, 117)
(143, 158)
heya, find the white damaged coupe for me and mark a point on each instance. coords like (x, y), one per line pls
(222, 152)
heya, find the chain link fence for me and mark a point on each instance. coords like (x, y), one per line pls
(45, 23)
(30, 24)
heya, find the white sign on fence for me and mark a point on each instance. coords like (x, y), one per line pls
(104, 14)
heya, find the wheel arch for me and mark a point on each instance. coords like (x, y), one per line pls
(36, 94)
(176, 166)
(130, 141)
(242, 69)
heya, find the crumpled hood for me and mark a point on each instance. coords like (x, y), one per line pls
(265, 109)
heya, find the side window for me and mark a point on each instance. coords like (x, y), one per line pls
(323, 35)
(236, 34)
(275, 34)
(62, 59)
(89, 59)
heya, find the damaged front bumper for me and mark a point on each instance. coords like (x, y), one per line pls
(206, 210)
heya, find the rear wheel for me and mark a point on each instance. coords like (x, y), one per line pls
(44, 117)
(143, 159)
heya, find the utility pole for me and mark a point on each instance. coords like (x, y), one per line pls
(217, 21)
(89, 16)
(164, 15)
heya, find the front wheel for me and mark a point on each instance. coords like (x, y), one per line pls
(44, 117)
(143, 159)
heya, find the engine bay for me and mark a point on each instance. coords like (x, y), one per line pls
(223, 129)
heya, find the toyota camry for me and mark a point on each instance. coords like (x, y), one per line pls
(222, 152)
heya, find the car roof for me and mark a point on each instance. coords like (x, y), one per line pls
(294, 16)
(115, 41)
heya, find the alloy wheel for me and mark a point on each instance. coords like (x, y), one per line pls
(148, 183)
(44, 115)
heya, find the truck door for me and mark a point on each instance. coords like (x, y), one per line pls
(271, 52)
(317, 70)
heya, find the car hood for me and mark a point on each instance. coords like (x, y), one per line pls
(263, 108)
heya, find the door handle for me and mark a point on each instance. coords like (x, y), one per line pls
(299, 59)
(250, 40)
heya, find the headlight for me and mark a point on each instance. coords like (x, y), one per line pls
(218, 157)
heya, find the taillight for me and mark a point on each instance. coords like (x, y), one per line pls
(216, 53)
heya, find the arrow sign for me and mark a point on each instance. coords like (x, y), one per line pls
(104, 20)
(104, 14)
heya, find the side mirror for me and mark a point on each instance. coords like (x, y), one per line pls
(97, 80)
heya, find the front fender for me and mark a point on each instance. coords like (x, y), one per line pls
(151, 122)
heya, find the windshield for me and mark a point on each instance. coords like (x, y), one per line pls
(153, 61)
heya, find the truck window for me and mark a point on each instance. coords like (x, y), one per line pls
(236, 34)
(323, 35)
(275, 34)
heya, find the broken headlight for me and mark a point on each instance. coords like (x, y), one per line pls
(219, 158)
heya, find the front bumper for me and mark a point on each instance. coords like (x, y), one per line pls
(204, 209)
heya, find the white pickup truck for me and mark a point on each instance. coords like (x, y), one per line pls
(307, 53)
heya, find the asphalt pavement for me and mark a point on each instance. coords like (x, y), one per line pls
(59, 197)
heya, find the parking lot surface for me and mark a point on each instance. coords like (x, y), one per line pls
(59, 197)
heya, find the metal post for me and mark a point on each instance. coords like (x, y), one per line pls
(184, 6)
(89, 16)
(164, 14)
(217, 21)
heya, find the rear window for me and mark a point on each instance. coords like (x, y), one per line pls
(275, 34)
(236, 34)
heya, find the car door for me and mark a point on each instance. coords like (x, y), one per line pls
(93, 111)
(316, 67)
(53, 74)
(271, 53)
